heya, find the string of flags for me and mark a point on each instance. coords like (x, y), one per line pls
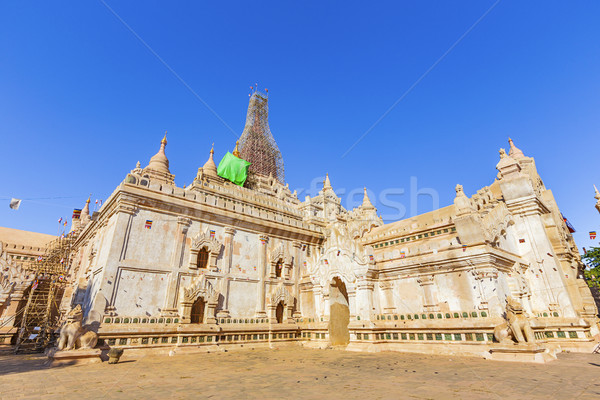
(148, 224)
(593, 235)
(212, 234)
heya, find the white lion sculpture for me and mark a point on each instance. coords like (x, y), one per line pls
(517, 327)
(75, 336)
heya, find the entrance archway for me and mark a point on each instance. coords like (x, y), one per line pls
(197, 314)
(339, 313)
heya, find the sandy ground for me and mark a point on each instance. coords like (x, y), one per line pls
(302, 373)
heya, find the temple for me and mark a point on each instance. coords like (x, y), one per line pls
(217, 263)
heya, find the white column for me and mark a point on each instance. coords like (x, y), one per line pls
(227, 260)
(262, 266)
(170, 308)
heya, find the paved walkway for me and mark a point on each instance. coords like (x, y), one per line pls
(302, 373)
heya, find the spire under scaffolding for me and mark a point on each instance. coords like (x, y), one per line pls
(257, 144)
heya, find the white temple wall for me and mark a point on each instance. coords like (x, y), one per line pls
(140, 292)
(242, 298)
(244, 262)
(408, 296)
(455, 291)
(546, 276)
(151, 247)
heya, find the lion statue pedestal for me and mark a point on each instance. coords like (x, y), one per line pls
(516, 338)
(76, 342)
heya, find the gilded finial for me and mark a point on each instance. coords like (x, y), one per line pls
(164, 140)
(236, 152)
(212, 149)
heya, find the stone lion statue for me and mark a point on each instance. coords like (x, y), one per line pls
(75, 336)
(517, 327)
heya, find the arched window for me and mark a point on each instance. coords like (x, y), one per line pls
(197, 314)
(203, 258)
(278, 268)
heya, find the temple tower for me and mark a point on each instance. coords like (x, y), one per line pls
(257, 144)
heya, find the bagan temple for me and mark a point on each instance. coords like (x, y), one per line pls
(237, 259)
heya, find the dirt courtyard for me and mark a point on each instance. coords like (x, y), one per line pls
(301, 373)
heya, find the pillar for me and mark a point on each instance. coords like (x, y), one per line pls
(262, 266)
(351, 290)
(297, 246)
(430, 302)
(364, 298)
(170, 308)
(227, 261)
(388, 299)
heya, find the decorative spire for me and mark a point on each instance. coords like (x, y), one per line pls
(236, 152)
(514, 151)
(159, 162)
(210, 167)
(366, 204)
(508, 166)
(463, 205)
(85, 213)
(327, 183)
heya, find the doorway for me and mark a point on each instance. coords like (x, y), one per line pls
(197, 314)
(279, 313)
(339, 313)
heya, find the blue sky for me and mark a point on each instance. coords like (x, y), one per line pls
(82, 99)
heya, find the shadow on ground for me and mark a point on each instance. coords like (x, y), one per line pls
(11, 363)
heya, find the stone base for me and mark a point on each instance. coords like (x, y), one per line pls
(522, 353)
(260, 314)
(69, 357)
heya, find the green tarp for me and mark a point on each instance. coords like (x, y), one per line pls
(233, 169)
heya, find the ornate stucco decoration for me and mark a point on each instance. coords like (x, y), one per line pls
(342, 256)
(210, 244)
(462, 203)
(484, 273)
(364, 218)
(281, 294)
(200, 288)
(496, 222)
(14, 279)
(280, 254)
